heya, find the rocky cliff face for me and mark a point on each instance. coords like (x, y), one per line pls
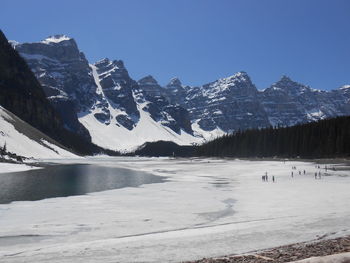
(234, 103)
(65, 75)
(22, 95)
(288, 103)
(229, 104)
(176, 92)
(151, 87)
(161, 109)
(342, 99)
(117, 88)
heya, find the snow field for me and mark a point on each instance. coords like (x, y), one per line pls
(21, 144)
(207, 207)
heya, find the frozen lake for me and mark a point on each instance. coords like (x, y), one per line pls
(206, 207)
(68, 180)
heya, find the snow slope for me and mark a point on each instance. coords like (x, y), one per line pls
(206, 208)
(117, 137)
(24, 140)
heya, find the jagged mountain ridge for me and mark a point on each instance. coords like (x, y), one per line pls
(101, 101)
(288, 103)
(230, 103)
(118, 111)
(284, 103)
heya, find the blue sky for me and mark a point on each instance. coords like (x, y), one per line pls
(199, 40)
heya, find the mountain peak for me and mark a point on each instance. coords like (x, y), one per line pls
(286, 82)
(174, 83)
(148, 80)
(240, 76)
(55, 39)
(104, 61)
(241, 73)
(345, 87)
(285, 78)
(13, 43)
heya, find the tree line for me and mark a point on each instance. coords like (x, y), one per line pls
(321, 139)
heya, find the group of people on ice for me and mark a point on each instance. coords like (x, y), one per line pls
(318, 174)
(265, 178)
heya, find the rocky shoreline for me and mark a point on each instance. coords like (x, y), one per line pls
(287, 253)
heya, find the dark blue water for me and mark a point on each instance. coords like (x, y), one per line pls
(67, 180)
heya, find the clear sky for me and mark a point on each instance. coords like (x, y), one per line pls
(199, 41)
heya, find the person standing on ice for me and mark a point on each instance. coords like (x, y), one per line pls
(292, 174)
(273, 178)
(304, 172)
(315, 175)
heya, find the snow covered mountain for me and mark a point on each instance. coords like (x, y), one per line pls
(129, 116)
(228, 104)
(22, 139)
(234, 103)
(288, 103)
(65, 76)
(102, 102)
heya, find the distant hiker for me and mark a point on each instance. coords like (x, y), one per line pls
(315, 175)
(304, 171)
(263, 178)
(319, 175)
(273, 178)
(292, 174)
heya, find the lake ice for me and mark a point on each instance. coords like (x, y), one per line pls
(206, 207)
